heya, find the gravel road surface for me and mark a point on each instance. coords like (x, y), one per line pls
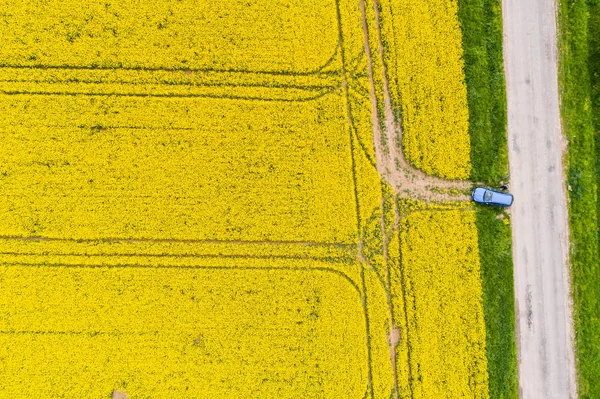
(539, 213)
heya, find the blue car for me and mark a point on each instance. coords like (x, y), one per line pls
(488, 196)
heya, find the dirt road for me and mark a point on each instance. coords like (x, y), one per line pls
(539, 214)
(391, 163)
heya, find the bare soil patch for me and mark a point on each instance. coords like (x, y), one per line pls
(119, 395)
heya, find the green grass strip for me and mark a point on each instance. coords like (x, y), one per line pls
(495, 252)
(481, 22)
(579, 43)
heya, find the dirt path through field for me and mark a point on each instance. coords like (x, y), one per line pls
(409, 182)
(539, 214)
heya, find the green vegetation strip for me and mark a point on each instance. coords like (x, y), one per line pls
(495, 252)
(579, 75)
(481, 22)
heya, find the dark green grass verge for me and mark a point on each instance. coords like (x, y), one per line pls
(481, 22)
(579, 70)
(495, 252)
(594, 70)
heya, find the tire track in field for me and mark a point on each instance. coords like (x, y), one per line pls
(185, 241)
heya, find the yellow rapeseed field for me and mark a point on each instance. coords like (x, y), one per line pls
(424, 59)
(263, 35)
(444, 351)
(190, 205)
(114, 167)
(165, 333)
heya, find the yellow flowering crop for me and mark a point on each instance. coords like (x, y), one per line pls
(264, 35)
(190, 205)
(445, 333)
(219, 332)
(79, 167)
(424, 58)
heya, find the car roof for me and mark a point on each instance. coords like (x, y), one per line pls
(499, 198)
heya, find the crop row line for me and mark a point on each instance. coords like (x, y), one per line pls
(88, 333)
(327, 259)
(319, 71)
(189, 95)
(274, 85)
(185, 241)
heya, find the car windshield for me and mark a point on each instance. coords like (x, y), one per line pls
(487, 197)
